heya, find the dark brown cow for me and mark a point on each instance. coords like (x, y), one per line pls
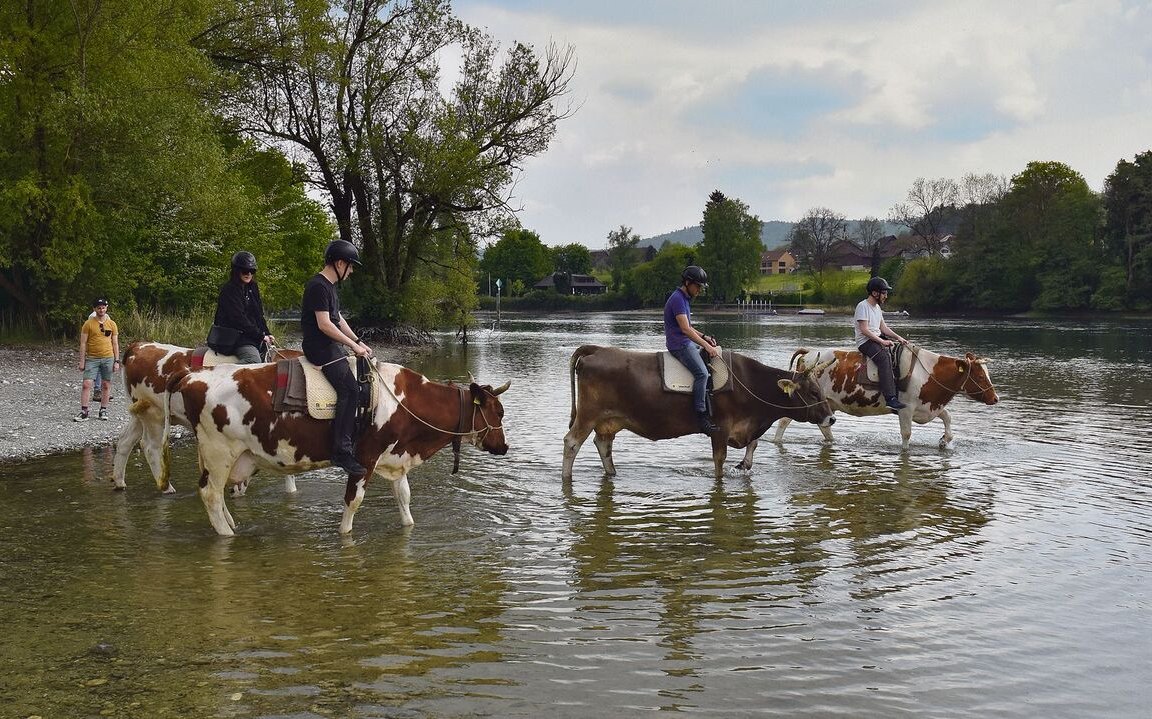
(148, 367)
(230, 408)
(619, 389)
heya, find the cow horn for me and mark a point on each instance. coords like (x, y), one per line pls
(502, 388)
(817, 369)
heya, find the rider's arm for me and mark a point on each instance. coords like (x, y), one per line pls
(691, 333)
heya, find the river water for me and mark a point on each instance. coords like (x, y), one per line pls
(1008, 576)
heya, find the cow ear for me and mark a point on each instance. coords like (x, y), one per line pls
(961, 366)
(477, 393)
(788, 386)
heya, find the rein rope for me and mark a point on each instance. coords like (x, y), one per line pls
(475, 408)
(747, 389)
(958, 390)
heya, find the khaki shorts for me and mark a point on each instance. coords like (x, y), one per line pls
(98, 366)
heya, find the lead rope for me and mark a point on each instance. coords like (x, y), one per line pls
(475, 408)
(758, 397)
(958, 390)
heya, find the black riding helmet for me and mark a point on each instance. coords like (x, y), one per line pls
(692, 273)
(878, 284)
(341, 250)
(244, 261)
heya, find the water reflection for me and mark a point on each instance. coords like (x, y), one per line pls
(846, 579)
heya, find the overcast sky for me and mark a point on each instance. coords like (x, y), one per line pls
(818, 103)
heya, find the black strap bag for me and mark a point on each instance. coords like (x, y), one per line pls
(223, 339)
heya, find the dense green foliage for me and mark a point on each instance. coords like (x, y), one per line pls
(731, 248)
(519, 259)
(115, 177)
(414, 176)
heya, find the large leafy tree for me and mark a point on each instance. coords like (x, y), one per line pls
(731, 248)
(114, 175)
(573, 259)
(623, 255)
(354, 87)
(653, 280)
(1128, 228)
(1053, 216)
(517, 256)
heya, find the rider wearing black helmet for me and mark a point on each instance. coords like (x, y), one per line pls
(874, 337)
(240, 308)
(684, 342)
(327, 338)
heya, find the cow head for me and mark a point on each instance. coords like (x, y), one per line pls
(488, 417)
(807, 398)
(975, 382)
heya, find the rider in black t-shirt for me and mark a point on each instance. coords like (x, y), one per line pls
(326, 334)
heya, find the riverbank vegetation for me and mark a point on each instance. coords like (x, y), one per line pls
(141, 147)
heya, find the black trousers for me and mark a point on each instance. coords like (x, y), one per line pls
(883, 359)
(347, 393)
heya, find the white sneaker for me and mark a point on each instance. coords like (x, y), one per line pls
(103, 414)
(82, 417)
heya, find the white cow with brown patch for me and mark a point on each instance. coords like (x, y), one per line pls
(928, 382)
(230, 407)
(148, 367)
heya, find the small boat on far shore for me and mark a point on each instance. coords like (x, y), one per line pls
(810, 311)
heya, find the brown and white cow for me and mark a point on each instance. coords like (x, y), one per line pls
(148, 367)
(237, 430)
(932, 381)
(621, 389)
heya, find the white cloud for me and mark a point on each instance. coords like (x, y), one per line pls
(830, 104)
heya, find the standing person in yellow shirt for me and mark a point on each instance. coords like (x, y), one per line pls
(99, 353)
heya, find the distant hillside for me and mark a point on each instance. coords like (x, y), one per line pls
(773, 234)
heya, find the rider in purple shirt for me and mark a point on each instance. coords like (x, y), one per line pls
(685, 343)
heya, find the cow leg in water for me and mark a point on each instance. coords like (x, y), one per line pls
(572, 443)
(214, 474)
(781, 425)
(353, 496)
(719, 452)
(603, 444)
(946, 439)
(157, 452)
(129, 436)
(403, 500)
(290, 484)
(905, 427)
(746, 463)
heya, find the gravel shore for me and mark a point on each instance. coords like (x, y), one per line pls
(40, 394)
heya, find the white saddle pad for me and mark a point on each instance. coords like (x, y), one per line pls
(321, 396)
(677, 378)
(212, 358)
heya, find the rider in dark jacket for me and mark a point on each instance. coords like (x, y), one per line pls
(240, 308)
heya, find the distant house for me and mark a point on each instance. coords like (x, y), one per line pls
(916, 247)
(846, 255)
(777, 262)
(578, 285)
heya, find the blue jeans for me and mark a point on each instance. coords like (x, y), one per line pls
(690, 358)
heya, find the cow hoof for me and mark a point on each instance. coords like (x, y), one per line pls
(118, 488)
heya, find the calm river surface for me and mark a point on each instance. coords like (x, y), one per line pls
(1010, 576)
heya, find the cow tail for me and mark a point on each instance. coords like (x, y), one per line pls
(798, 353)
(173, 385)
(579, 354)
